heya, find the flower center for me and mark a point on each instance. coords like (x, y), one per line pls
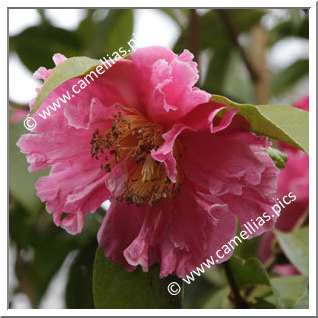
(129, 141)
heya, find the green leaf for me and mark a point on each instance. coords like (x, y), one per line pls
(215, 276)
(285, 123)
(278, 157)
(289, 76)
(36, 45)
(108, 35)
(79, 293)
(292, 27)
(113, 287)
(180, 16)
(262, 304)
(219, 300)
(217, 69)
(286, 291)
(72, 67)
(296, 247)
(117, 29)
(213, 32)
(237, 83)
(248, 272)
(303, 302)
(200, 291)
(289, 290)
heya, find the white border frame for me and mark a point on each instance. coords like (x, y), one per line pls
(312, 180)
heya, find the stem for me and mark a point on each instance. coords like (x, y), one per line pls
(301, 221)
(25, 285)
(234, 37)
(194, 39)
(42, 14)
(277, 252)
(18, 105)
(239, 301)
(258, 58)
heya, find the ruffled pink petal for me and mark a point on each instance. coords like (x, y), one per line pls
(73, 188)
(159, 234)
(42, 73)
(168, 81)
(120, 227)
(246, 181)
(59, 58)
(73, 223)
(165, 151)
(293, 178)
(216, 225)
(87, 113)
(204, 117)
(44, 150)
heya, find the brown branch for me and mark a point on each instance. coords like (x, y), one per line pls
(258, 59)
(234, 37)
(239, 301)
(25, 286)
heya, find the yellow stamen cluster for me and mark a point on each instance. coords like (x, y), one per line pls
(132, 137)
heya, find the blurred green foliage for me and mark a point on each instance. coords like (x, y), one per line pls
(114, 287)
(41, 248)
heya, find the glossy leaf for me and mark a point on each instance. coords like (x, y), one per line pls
(285, 123)
(248, 272)
(79, 294)
(217, 69)
(219, 300)
(113, 287)
(117, 29)
(286, 78)
(303, 301)
(106, 36)
(72, 67)
(199, 292)
(36, 45)
(296, 247)
(289, 290)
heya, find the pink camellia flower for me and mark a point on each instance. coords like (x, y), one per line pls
(293, 178)
(177, 175)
